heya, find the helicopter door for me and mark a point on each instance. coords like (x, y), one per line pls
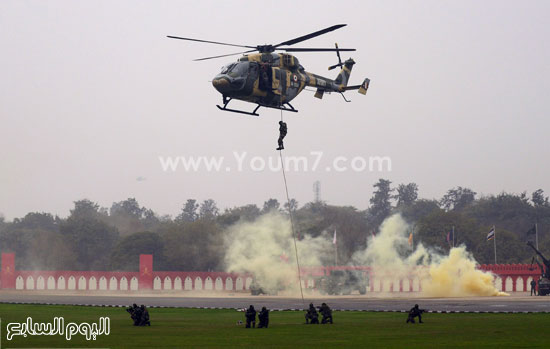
(264, 73)
(283, 82)
(252, 76)
(279, 81)
(276, 84)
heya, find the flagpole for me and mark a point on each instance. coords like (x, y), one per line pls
(336, 254)
(412, 237)
(335, 242)
(453, 236)
(495, 242)
(536, 236)
(455, 233)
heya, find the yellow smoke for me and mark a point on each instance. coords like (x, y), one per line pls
(455, 275)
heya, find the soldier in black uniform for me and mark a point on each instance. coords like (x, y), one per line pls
(144, 320)
(282, 134)
(533, 287)
(311, 315)
(414, 312)
(263, 316)
(135, 314)
(325, 310)
(250, 316)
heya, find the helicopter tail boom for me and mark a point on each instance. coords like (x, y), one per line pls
(362, 88)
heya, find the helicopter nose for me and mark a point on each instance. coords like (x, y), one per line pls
(221, 84)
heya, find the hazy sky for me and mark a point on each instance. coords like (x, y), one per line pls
(92, 93)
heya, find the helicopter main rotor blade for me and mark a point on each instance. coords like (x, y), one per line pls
(312, 35)
(209, 42)
(339, 58)
(230, 54)
(297, 49)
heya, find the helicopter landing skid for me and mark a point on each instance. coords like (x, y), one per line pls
(224, 108)
(226, 101)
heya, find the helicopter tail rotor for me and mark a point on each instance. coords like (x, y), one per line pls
(339, 59)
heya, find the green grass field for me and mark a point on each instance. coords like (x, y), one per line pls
(175, 328)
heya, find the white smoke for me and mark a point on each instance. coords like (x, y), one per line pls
(265, 248)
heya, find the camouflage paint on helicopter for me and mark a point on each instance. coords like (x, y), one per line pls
(272, 80)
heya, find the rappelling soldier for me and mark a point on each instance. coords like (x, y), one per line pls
(282, 134)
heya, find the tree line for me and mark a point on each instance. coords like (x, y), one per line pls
(99, 238)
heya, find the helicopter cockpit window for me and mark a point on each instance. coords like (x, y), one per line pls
(238, 69)
(227, 68)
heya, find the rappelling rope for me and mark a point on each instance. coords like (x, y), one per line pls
(290, 214)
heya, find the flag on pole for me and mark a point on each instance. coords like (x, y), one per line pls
(410, 239)
(334, 238)
(491, 234)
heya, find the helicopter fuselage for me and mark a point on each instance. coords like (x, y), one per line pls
(270, 79)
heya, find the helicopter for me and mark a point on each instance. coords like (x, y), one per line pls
(271, 80)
